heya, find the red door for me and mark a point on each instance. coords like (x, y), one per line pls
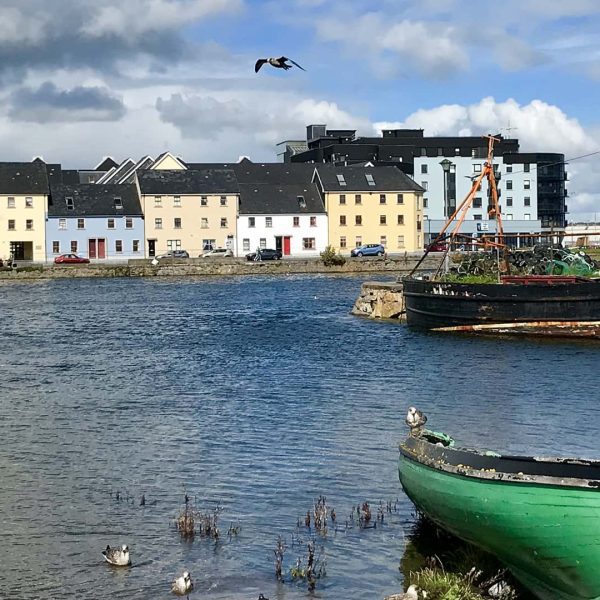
(91, 248)
(286, 245)
(102, 248)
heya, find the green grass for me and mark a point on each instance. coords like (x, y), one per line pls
(452, 278)
(441, 585)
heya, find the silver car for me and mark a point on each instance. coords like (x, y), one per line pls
(217, 253)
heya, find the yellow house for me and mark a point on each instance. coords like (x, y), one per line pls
(371, 205)
(188, 209)
(23, 210)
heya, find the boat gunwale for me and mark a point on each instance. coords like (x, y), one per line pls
(424, 452)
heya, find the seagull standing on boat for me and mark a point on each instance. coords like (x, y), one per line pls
(119, 557)
(278, 63)
(416, 420)
(182, 585)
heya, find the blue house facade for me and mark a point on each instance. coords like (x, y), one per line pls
(99, 222)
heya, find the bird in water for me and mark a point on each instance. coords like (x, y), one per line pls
(278, 63)
(119, 557)
(182, 585)
(416, 420)
(412, 593)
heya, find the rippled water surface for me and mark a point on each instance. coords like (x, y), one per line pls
(258, 394)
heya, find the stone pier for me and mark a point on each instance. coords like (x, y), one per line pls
(380, 301)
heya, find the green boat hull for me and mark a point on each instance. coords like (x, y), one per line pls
(549, 536)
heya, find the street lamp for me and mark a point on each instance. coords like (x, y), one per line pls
(446, 164)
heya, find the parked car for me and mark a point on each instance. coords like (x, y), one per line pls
(265, 254)
(217, 253)
(439, 247)
(368, 250)
(175, 254)
(70, 259)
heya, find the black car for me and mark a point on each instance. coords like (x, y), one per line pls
(265, 254)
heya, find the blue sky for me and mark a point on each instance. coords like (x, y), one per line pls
(82, 79)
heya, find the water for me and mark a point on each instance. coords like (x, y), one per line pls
(258, 394)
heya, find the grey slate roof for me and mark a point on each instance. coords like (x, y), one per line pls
(387, 179)
(176, 182)
(107, 164)
(23, 178)
(270, 199)
(94, 200)
(69, 177)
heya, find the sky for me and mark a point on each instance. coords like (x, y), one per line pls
(82, 79)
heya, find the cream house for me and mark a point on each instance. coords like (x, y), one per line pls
(371, 205)
(23, 209)
(188, 209)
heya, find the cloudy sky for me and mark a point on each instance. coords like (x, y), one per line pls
(83, 79)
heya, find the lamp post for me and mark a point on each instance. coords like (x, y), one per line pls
(446, 164)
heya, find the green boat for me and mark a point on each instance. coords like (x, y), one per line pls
(540, 516)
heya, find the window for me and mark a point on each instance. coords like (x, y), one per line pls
(118, 245)
(251, 221)
(527, 201)
(128, 223)
(358, 220)
(477, 202)
(358, 241)
(268, 221)
(509, 168)
(308, 243)
(177, 223)
(296, 221)
(476, 217)
(223, 222)
(204, 223)
(343, 242)
(400, 199)
(158, 201)
(509, 217)
(313, 221)
(263, 243)
(457, 151)
(423, 169)
(419, 225)
(158, 223)
(526, 168)
(173, 244)
(370, 180)
(74, 246)
(203, 200)
(80, 224)
(246, 245)
(110, 223)
(342, 220)
(509, 201)
(382, 220)
(208, 245)
(62, 223)
(423, 151)
(425, 202)
(342, 198)
(381, 198)
(400, 219)
(400, 241)
(29, 224)
(11, 224)
(509, 184)
(340, 179)
(301, 201)
(177, 201)
(11, 202)
(527, 217)
(28, 202)
(118, 203)
(440, 152)
(55, 247)
(223, 200)
(383, 240)
(424, 185)
(527, 184)
(417, 200)
(477, 168)
(135, 246)
(357, 199)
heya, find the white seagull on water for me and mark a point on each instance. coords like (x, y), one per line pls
(183, 585)
(117, 556)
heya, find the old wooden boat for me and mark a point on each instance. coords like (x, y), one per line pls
(540, 516)
(546, 305)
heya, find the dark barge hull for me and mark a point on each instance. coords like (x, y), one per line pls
(551, 306)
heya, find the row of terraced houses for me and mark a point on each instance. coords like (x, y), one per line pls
(140, 209)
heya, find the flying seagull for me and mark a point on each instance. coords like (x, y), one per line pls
(416, 420)
(278, 63)
(117, 556)
(183, 585)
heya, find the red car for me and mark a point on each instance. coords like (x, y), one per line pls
(70, 259)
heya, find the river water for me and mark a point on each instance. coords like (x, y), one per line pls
(256, 395)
